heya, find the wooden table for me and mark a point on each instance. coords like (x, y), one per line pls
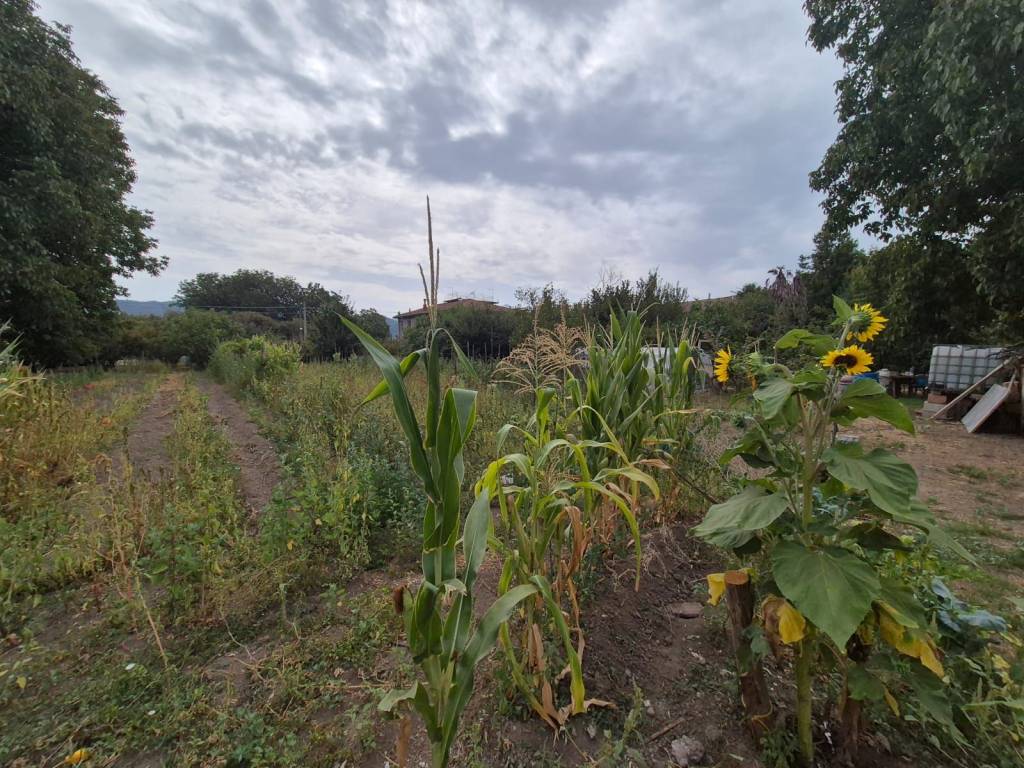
(898, 380)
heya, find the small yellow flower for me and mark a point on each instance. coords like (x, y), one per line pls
(853, 358)
(77, 757)
(872, 323)
(722, 360)
(716, 587)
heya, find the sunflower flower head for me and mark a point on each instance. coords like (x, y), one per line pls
(853, 358)
(866, 323)
(722, 361)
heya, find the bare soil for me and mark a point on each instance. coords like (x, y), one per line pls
(969, 478)
(145, 448)
(259, 468)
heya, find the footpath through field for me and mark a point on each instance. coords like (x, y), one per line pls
(146, 447)
(259, 468)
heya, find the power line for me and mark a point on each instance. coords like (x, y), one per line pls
(226, 306)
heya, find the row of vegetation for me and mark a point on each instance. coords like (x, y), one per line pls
(563, 476)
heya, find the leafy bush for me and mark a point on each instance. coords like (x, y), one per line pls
(254, 365)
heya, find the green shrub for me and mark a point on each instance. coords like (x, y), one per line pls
(254, 365)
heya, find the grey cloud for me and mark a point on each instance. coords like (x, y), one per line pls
(316, 127)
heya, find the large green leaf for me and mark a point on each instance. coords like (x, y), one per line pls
(750, 510)
(832, 587)
(818, 343)
(862, 685)
(889, 481)
(843, 310)
(772, 395)
(865, 398)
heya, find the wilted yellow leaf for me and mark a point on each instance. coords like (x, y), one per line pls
(782, 621)
(291, 544)
(792, 625)
(716, 587)
(22, 682)
(910, 642)
(891, 701)
(999, 662)
(76, 757)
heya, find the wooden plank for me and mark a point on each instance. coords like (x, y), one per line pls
(971, 388)
(985, 407)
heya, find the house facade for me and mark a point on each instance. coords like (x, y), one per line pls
(407, 320)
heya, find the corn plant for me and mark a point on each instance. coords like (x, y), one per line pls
(549, 519)
(442, 636)
(818, 528)
(616, 393)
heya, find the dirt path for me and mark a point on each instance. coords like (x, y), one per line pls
(259, 468)
(146, 448)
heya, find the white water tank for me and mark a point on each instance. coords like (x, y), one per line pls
(955, 367)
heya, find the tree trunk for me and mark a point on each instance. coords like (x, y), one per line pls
(739, 597)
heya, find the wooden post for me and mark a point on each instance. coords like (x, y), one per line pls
(851, 710)
(739, 598)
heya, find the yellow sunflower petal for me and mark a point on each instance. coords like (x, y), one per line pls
(853, 358)
(716, 587)
(722, 361)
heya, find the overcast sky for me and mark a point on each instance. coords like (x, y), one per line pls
(555, 139)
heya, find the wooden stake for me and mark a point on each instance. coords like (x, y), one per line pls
(739, 598)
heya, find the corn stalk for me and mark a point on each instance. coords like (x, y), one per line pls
(442, 636)
(549, 520)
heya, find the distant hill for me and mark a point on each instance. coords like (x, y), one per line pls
(132, 307)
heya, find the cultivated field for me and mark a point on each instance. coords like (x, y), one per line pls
(201, 572)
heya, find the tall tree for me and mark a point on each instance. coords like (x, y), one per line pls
(826, 270)
(928, 295)
(931, 107)
(257, 289)
(66, 229)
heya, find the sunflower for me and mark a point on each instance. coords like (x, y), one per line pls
(868, 323)
(722, 361)
(853, 358)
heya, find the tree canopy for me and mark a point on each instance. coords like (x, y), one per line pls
(66, 228)
(931, 108)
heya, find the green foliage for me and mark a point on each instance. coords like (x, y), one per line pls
(549, 518)
(481, 332)
(819, 525)
(66, 230)
(286, 305)
(255, 364)
(258, 290)
(826, 272)
(741, 321)
(54, 520)
(444, 639)
(196, 538)
(931, 106)
(925, 288)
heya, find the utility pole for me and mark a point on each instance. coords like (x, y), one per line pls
(304, 327)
